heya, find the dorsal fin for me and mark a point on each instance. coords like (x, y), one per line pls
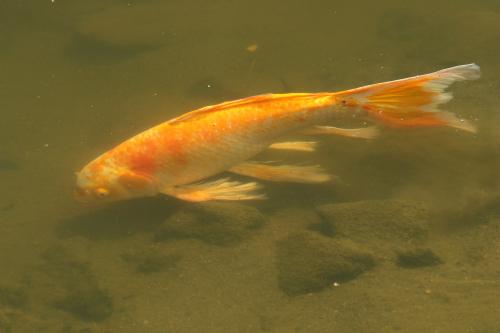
(227, 105)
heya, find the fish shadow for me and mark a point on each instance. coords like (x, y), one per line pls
(118, 220)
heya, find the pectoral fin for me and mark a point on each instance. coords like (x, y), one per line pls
(132, 180)
(282, 173)
(307, 146)
(221, 189)
(361, 133)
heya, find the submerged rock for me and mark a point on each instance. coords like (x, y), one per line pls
(378, 223)
(309, 262)
(212, 222)
(416, 258)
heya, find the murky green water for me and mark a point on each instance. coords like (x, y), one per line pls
(406, 241)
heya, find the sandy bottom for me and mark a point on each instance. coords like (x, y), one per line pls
(405, 239)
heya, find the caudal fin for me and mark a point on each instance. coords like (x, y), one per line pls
(413, 102)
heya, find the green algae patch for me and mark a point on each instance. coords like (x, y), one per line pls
(309, 262)
(212, 222)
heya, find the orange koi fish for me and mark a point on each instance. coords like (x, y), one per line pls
(176, 157)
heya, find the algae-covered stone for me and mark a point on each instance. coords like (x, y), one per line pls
(213, 222)
(151, 261)
(310, 262)
(416, 258)
(378, 222)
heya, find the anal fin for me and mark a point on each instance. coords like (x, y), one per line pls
(307, 146)
(221, 189)
(282, 173)
(361, 133)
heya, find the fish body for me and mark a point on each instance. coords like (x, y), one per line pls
(204, 142)
(171, 157)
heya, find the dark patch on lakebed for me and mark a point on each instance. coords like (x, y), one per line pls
(151, 261)
(73, 286)
(13, 296)
(216, 223)
(309, 262)
(351, 238)
(8, 165)
(417, 258)
(7, 207)
(118, 220)
(92, 51)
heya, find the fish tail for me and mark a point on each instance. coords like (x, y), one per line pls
(414, 101)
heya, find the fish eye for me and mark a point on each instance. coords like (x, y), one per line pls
(101, 192)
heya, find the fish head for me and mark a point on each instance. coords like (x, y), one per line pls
(101, 182)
